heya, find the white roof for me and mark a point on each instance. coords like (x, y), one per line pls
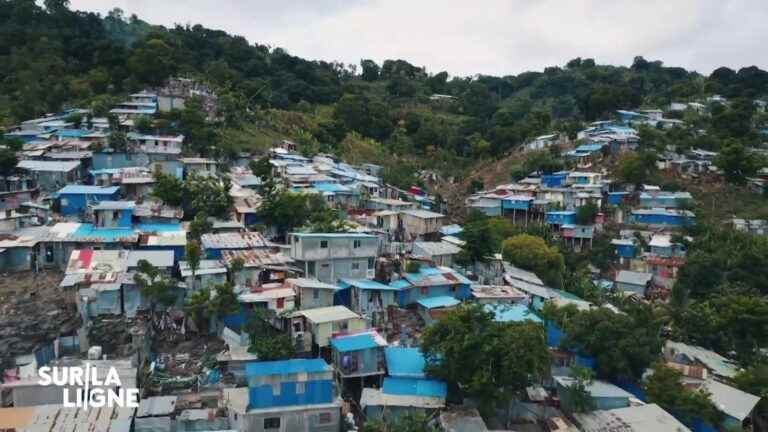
(644, 418)
(421, 214)
(266, 295)
(328, 314)
(310, 283)
(157, 258)
(435, 248)
(53, 166)
(205, 267)
(373, 397)
(633, 278)
(660, 240)
(730, 400)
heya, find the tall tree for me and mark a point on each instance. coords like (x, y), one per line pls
(492, 362)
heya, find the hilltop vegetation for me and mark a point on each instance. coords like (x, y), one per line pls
(54, 57)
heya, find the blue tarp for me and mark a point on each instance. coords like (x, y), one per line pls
(405, 362)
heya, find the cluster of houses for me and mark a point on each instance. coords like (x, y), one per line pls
(353, 304)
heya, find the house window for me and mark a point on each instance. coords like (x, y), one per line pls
(300, 387)
(355, 266)
(356, 244)
(272, 423)
(280, 303)
(324, 418)
(315, 293)
(310, 269)
(323, 244)
(371, 263)
(424, 290)
(453, 288)
(48, 253)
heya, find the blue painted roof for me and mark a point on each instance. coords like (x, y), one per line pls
(511, 313)
(331, 187)
(286, 367)
(405, 362)
(72, 133)
(88, 231)
(158, 227)
(89, 190)
(367, 284)
(437, 302)
(400, 284)
(436, 276)
(563, 212)
(414, 387)
(354, 342)
(105, 171)
(589, 147)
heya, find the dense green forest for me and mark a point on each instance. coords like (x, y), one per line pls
(54, 57)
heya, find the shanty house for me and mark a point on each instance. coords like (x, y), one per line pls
(51, 175)
(370, 298)
(604, 395)
(75, 199)
(358, 355)
(316, 326)
(420, 224)
(440, 253)
(432, 282)
(113, 214)
(215, 243)
(285, 395)
(312, 293)
(633, 282)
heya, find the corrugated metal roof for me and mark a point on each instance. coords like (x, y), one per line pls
(430, 249)
(633, 278)
(156, 258)
(597, 388)
(233, 240)
(89, 190)
(311, 283)
(415, 387)
(256, 258)
(328, 314)
(114, 205)
(367, 284)
(358, 342)
(52, 166)
(373, 397)
(438, 302)
(636, 418)
(422, 214)
(157, 406)
(286, 367)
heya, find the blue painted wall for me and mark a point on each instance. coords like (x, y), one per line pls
(119, 160)
(553, 180)
(560, 218)
(76, 203)
(315, 392)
